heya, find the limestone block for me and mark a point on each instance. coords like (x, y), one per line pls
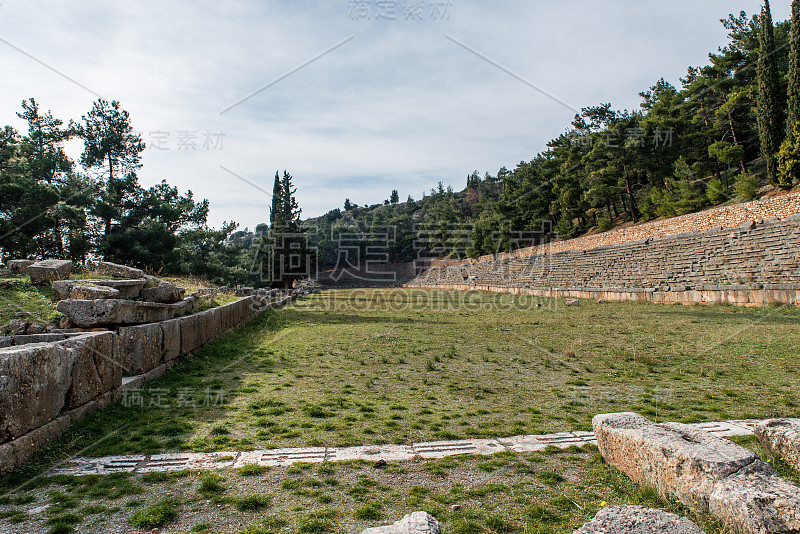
(19, 266)
(63, 288)
(637, 520)
(782, 438)
(17, 327)
(96, 368)
(676, 459)
(15, 453)
(165, 292)
(128, 289)
(414, 523)
(119, 271)
(34, 380)
(93, 293)
(756, 500)
(91, 313)
(44, 272)
(190, 327)
(140, 348)
(171, 331)
(36, 328)
(38, 338)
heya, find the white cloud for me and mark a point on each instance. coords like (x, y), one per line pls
(398, 106)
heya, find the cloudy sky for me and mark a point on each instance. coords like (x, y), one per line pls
(353, 98)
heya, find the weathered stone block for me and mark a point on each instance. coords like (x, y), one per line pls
(757, 501)
(45, 272)
(91, 313)
(140, 348)
(414, 523)
(637, 520)
(19, 266)
(676, 459)
(93, 293)
(171, 330)
(165, 292)
(120, 271)
(573, 302)
(17, 327)
(128, 289)
(190, 337)
(96, 368)
(34, 380)
(782, 438)
(38, 338)
(15, 453)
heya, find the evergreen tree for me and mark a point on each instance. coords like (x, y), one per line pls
(793, 119)
(769, 112)
(276, 211)
(395, 197)
(286, 244)
(789, 155)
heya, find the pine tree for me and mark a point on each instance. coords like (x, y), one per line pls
(769, 114)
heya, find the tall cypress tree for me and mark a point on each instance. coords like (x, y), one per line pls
(289, 256)
(276, 210)
(769, 113)
(794, 72)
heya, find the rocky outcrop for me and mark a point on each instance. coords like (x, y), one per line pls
(781, 437)
(118, 271)
(637, 520)
(45, 272)
(702, 470)
(414, 523)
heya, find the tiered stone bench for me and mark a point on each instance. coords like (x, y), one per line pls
(753, 265)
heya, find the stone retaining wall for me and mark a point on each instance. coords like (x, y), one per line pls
(755, 264)
(44, 387)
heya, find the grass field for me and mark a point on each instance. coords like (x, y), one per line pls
(400, 366)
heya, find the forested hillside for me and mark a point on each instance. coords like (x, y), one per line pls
(684, 149)
(730, 129)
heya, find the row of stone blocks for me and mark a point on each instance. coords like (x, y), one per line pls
(705, 472)
(764, 295)
(46, 386)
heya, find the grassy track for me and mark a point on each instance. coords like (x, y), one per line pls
(400, 366)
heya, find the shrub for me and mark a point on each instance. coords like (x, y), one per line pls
(155, 516)
(747, 186)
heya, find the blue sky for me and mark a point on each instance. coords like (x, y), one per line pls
(403, 98)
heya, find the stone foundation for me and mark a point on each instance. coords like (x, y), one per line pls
(46, 386)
